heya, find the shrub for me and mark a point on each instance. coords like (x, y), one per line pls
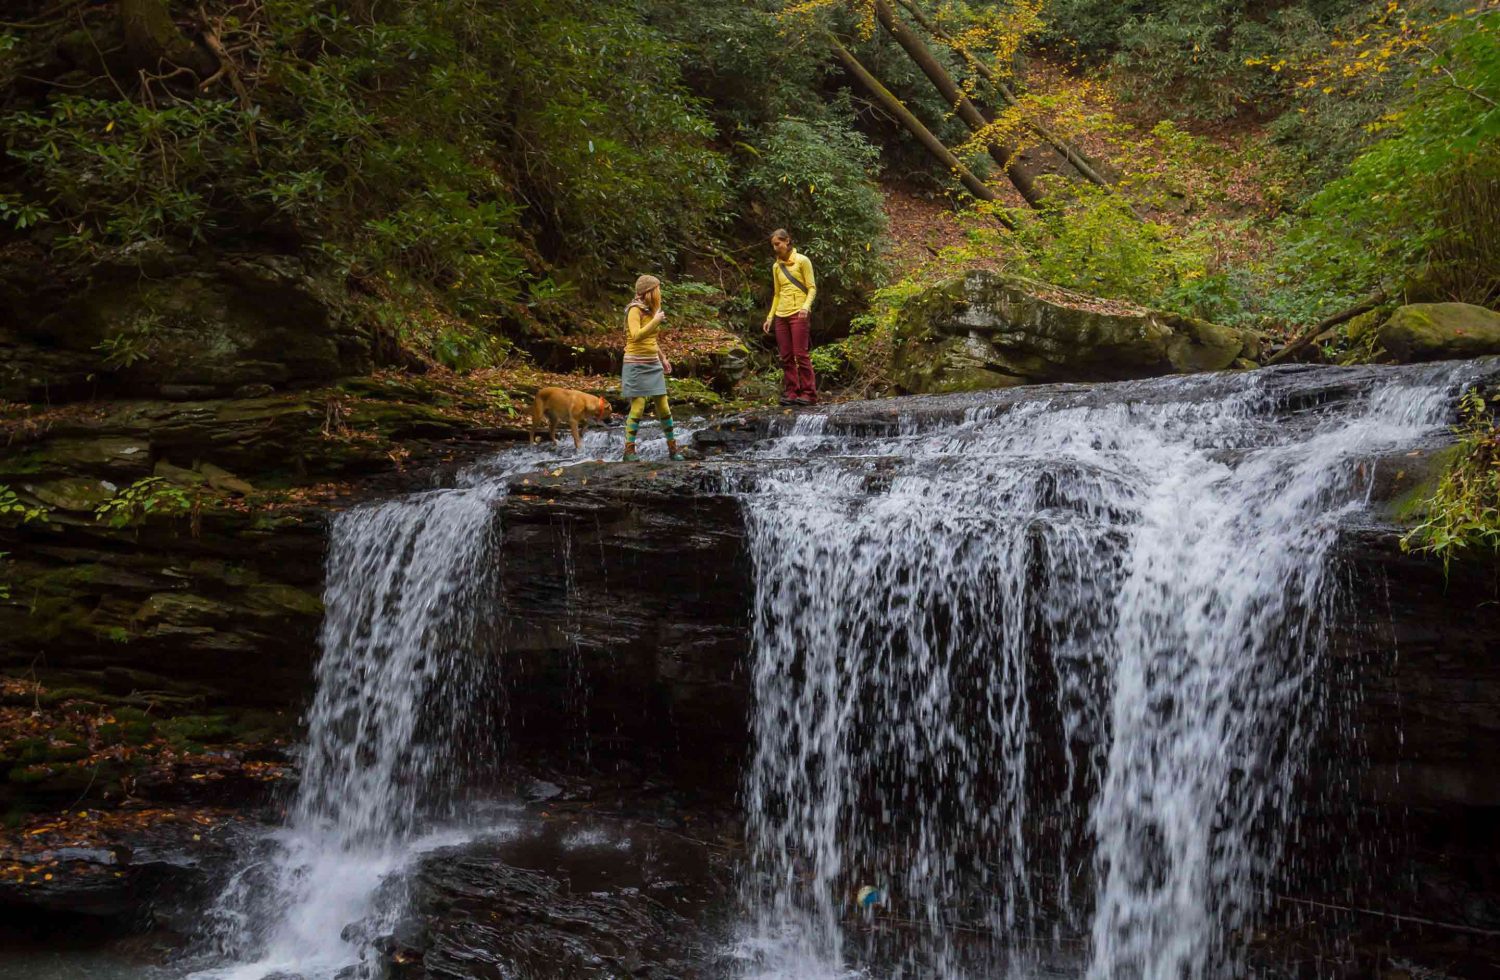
(143, 498)
(1463, 513)
(1423, 202)
(1198, 58)
(816, 179)
(405, 142)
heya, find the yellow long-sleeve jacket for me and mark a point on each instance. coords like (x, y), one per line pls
(640, 335)
(787, 298)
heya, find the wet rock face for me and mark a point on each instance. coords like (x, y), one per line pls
(625, 597)
(571, 898)
(990, 331)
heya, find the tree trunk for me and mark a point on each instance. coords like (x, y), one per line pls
(914, 125)
(1307, 336)
(1062, 146)
(950, 91)
(153, 41)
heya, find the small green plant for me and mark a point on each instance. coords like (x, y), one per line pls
(13, 506)
(1463, 513)
(152, 495)
(21, 213)
(132, 344)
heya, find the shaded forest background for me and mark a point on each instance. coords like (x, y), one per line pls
(263, 259)
(481, 174)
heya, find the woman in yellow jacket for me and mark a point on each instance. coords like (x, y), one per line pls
(644, 375)
(793, 289)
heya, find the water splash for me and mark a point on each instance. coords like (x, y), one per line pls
(1046, 672)
(393, 732)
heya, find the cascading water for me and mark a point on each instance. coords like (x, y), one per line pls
(385, 751)
(399, 576)
(1046, 675)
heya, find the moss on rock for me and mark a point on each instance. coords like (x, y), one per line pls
(1439, 331)
(986, 330)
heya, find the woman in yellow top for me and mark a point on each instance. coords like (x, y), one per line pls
(793, 289)
(644, 375)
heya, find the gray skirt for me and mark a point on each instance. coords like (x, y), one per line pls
(642, 381)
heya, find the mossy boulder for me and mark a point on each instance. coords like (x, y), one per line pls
(986, 330)
(1438, 332)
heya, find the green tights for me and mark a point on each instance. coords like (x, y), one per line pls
(638, 412)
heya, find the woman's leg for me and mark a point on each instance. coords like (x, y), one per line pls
(633, 425)
(806, 384)
(664, 416)
(788, 357)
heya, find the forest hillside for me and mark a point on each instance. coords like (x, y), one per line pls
(375, 221)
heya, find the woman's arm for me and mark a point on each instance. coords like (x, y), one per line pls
(775, 295)
(637, 330)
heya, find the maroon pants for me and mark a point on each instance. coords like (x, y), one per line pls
(796, 367)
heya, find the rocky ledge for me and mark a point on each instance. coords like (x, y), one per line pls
(624, 596)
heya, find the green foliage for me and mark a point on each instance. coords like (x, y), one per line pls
(816, 179)
(618, 147)
(1463, 513)
(1088, 239)
(405, 145)
(1423, 202)
(143, 498)
(736, 57)
(20, 213)
(1093, 243)
(860, 363)
(12, 507)
(132, 343)
(1195, 57)
(830, 361)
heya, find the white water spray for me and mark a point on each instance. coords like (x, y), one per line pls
(407, 587)
(1047, 675)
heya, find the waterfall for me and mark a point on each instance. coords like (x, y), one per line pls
(392, 733)
(1045, 673)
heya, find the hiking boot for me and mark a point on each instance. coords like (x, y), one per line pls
(630, 454)
(672, 452)
(787, 401)
(803, 401)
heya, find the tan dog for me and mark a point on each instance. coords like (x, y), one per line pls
(559, 404)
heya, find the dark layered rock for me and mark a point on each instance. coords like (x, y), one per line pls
(172, 325)
(625, 597)
(227, 615)
(566, 898)
(986, 330)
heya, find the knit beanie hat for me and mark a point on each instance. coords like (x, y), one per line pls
(645, 284)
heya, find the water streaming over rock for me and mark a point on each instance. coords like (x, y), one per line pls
(392, 735)
(1045, 675)
(1044, 672)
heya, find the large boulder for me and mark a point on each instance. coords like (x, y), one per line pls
(986, 330)
(1438, 332)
